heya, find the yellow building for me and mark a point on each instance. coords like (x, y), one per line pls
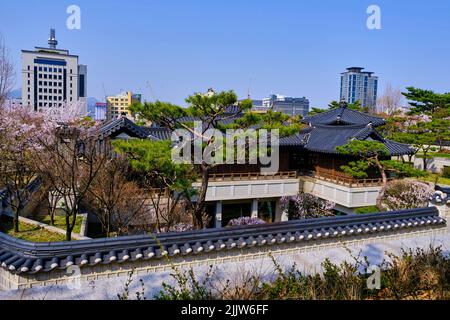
(119, 105)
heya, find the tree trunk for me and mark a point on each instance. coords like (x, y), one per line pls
(52, 203)
(109, 223)
(383, 187)
(425, 162)
(68, 228)
(69, 234)
(52, 216)
(16, 220)
(199, 209)
(157, 208)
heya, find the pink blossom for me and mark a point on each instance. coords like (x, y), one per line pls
(305, 205)
(245, 221)
(407, 194)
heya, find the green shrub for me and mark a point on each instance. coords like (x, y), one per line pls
(446, 172)
(414, 274)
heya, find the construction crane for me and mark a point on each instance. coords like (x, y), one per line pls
(150, 90)
(104, 92)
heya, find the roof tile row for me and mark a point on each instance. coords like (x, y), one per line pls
(23, 257)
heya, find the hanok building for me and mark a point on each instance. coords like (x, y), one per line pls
(308, 163)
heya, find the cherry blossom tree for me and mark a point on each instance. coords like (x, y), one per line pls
(20, 132)
(407, 194)
(306, 206)
(69, 161)
(57, 146)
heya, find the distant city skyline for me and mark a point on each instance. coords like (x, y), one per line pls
(168, 50)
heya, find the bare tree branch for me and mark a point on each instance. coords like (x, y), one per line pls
(7, 73)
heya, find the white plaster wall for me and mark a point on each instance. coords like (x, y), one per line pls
(340, 194)
(108, 282)
(250, 189)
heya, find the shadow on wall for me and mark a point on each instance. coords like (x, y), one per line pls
(435, 165)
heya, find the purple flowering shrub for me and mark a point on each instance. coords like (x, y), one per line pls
(245, 221)
(407, 194)
(180, 227)
(306, 206)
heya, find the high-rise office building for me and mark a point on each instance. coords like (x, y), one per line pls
(288, 105)
(52, 77)
(358, 85)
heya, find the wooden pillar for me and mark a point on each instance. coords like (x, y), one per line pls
(255, 208)
(218, 215)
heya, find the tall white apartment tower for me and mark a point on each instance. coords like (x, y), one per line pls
(358, 85)
(52, 77)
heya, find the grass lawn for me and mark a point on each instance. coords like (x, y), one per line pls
(29, 232)
(431, 177)
(369, 209)
(60, 222)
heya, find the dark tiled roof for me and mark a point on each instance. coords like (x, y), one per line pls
(296, 140)
(111, 127)
(317, 138)
(344, 116)
(19, 256)
(325, 138)
(233, 110)
(158, 133)
(398, 149)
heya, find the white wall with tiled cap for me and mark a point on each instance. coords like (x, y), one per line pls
(110, 272)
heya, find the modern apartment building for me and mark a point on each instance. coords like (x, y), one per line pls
(359, 85)
(100, 111)
(118, 106)
(52, 77)
(288, 105)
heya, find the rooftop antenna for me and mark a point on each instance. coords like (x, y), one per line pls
(52, 43)
(248, 90)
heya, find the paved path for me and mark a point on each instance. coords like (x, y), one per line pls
(307, 262)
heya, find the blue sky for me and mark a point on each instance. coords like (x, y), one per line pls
(168, 49)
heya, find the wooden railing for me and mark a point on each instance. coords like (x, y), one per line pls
(343, 179)
(253, 176)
